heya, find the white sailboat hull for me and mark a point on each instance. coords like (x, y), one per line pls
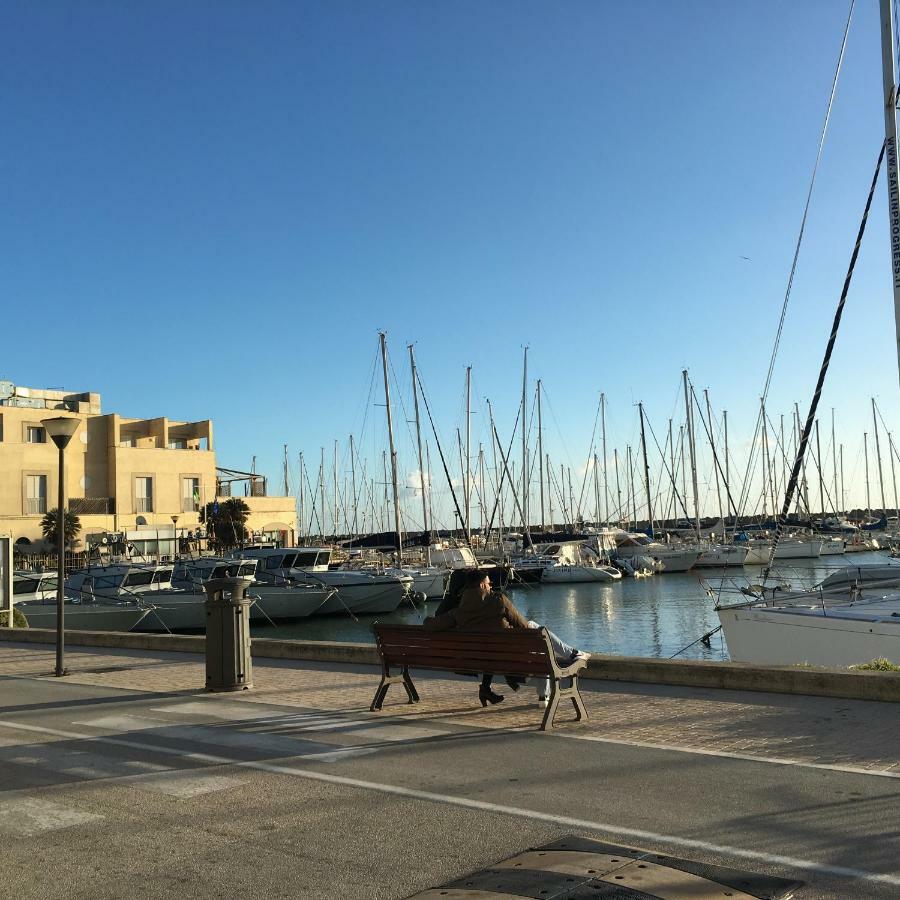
(786, 637)
(286, 603)
(725, 556)
(85, 617)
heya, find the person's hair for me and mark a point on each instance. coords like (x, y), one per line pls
(475, 577)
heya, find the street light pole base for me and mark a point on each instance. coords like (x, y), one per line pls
(58, 674)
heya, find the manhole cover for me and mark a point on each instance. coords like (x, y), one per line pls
(576, 868)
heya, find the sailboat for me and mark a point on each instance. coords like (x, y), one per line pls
(850, 618)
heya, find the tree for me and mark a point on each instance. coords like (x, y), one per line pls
(71, 527)
(226, 523)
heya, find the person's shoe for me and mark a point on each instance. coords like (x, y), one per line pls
(513, 682)
(543, 701)
(488, 696)
(579, 655)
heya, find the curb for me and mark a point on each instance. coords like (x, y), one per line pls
(731, 676)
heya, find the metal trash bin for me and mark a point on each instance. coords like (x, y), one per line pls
(228, 664)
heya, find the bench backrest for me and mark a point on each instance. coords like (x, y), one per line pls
(510, 652)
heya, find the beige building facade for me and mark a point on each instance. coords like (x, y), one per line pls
(123, 475)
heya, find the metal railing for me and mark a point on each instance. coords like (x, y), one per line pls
(188, 504)
(35, 506)
(92, 506)
(143, 504)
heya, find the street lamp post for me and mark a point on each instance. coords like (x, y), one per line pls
(174, 538)
(60, 430)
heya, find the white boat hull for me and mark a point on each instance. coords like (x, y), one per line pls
(85, 617)
(727, 556)
(286, 603)
(357, 592)
(579, 574)
(783, 637)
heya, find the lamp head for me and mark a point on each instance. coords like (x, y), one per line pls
(61, 429)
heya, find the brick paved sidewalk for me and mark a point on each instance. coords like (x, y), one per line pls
(807, 729)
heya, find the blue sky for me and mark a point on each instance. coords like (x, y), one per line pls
(209, 209)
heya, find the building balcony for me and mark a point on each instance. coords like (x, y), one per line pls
(92, 506)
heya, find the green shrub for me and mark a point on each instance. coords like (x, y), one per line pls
(878, 665)
(19, 619)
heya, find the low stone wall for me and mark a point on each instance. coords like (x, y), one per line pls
(821, 682)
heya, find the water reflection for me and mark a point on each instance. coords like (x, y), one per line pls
(655, 616)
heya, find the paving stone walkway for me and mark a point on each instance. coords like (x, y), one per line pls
(815, 730)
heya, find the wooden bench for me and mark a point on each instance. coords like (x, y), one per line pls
(511, 652)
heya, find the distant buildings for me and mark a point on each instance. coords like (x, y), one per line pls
(124, 476)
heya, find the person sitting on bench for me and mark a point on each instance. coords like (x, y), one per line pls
(481, 609)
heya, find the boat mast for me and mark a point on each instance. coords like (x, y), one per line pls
(672, 469)
(382, 516)
(834, 460)
(766, 485)
(468, 473)
(575, 513)
(550, 491)
(712, 446)
(540, 437)
(525, 442)
(426, 533)
(597, 519)
(430, 496)
(481, 494)
(603, 436)
(302, 499)
(843, 495)
(353, 488)
(286, 490)
(322, 492)
(632, 505)
(497, 478)
(821, 480)
(390, 426)
(878, 457)
(725, 427)
(646, 470)
(690, 433)
(618, 488)
(336, 518)
(893, 476)
(890, 138)
(866, 454)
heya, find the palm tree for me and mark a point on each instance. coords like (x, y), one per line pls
(226, 523)
(71, 527)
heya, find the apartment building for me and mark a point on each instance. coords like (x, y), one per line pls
(144, 478)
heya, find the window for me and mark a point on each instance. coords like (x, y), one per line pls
(162, 577)
(143, 494)
(190, 494)
(138, 579)
(35, 434)
(247, 571)
(35, 495)
(305, 560)
(25, 585)
(289, 560)
(178, 445)
(274, 562)
(1, 427)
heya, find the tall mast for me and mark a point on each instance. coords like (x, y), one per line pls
(689, 413)
(766, 485)
(302, 498)
(712, 447)
(890, 137)
(498, 480)
(821, 480)
(426, 534)
(481, 495)
(575, 513)
(550, 491)
(672, 469)
(878, 457)
(866, 454)
(390, 426)
(603, 438)
(618, 488)
(336, 518)
(597, 519)
(567, 513)
(541, 453)
(468, 473)
(632, 505)
(430, 495)
(286, 489)
(353, 488)
(525, 442)
(725, 427)
(893, 476)
(382, 516)
(843, 495)
(322, 492)
(646, 470)
(834, 462)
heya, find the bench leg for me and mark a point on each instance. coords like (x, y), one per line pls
(380, 693)
(411, 691)
(577, 702)
(552, 705)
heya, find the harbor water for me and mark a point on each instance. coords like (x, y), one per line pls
(660, 616)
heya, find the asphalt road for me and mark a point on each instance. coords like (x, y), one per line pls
(111, 793)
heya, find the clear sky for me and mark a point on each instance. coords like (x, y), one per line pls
(208, 209)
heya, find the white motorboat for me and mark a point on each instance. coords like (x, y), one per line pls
(674, 558)
(832, 546)
(33, 586)
(118, 580)
(356, 591)
(87, 615)
(568, 573)
(719, 556)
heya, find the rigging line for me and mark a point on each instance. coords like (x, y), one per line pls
(590, 458)
(666, 467)
(812, 182)
(823, 371)
(715, 456)
(502, 475)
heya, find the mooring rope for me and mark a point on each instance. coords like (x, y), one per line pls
(810, 417)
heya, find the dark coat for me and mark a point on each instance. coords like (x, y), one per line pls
(477, 612)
